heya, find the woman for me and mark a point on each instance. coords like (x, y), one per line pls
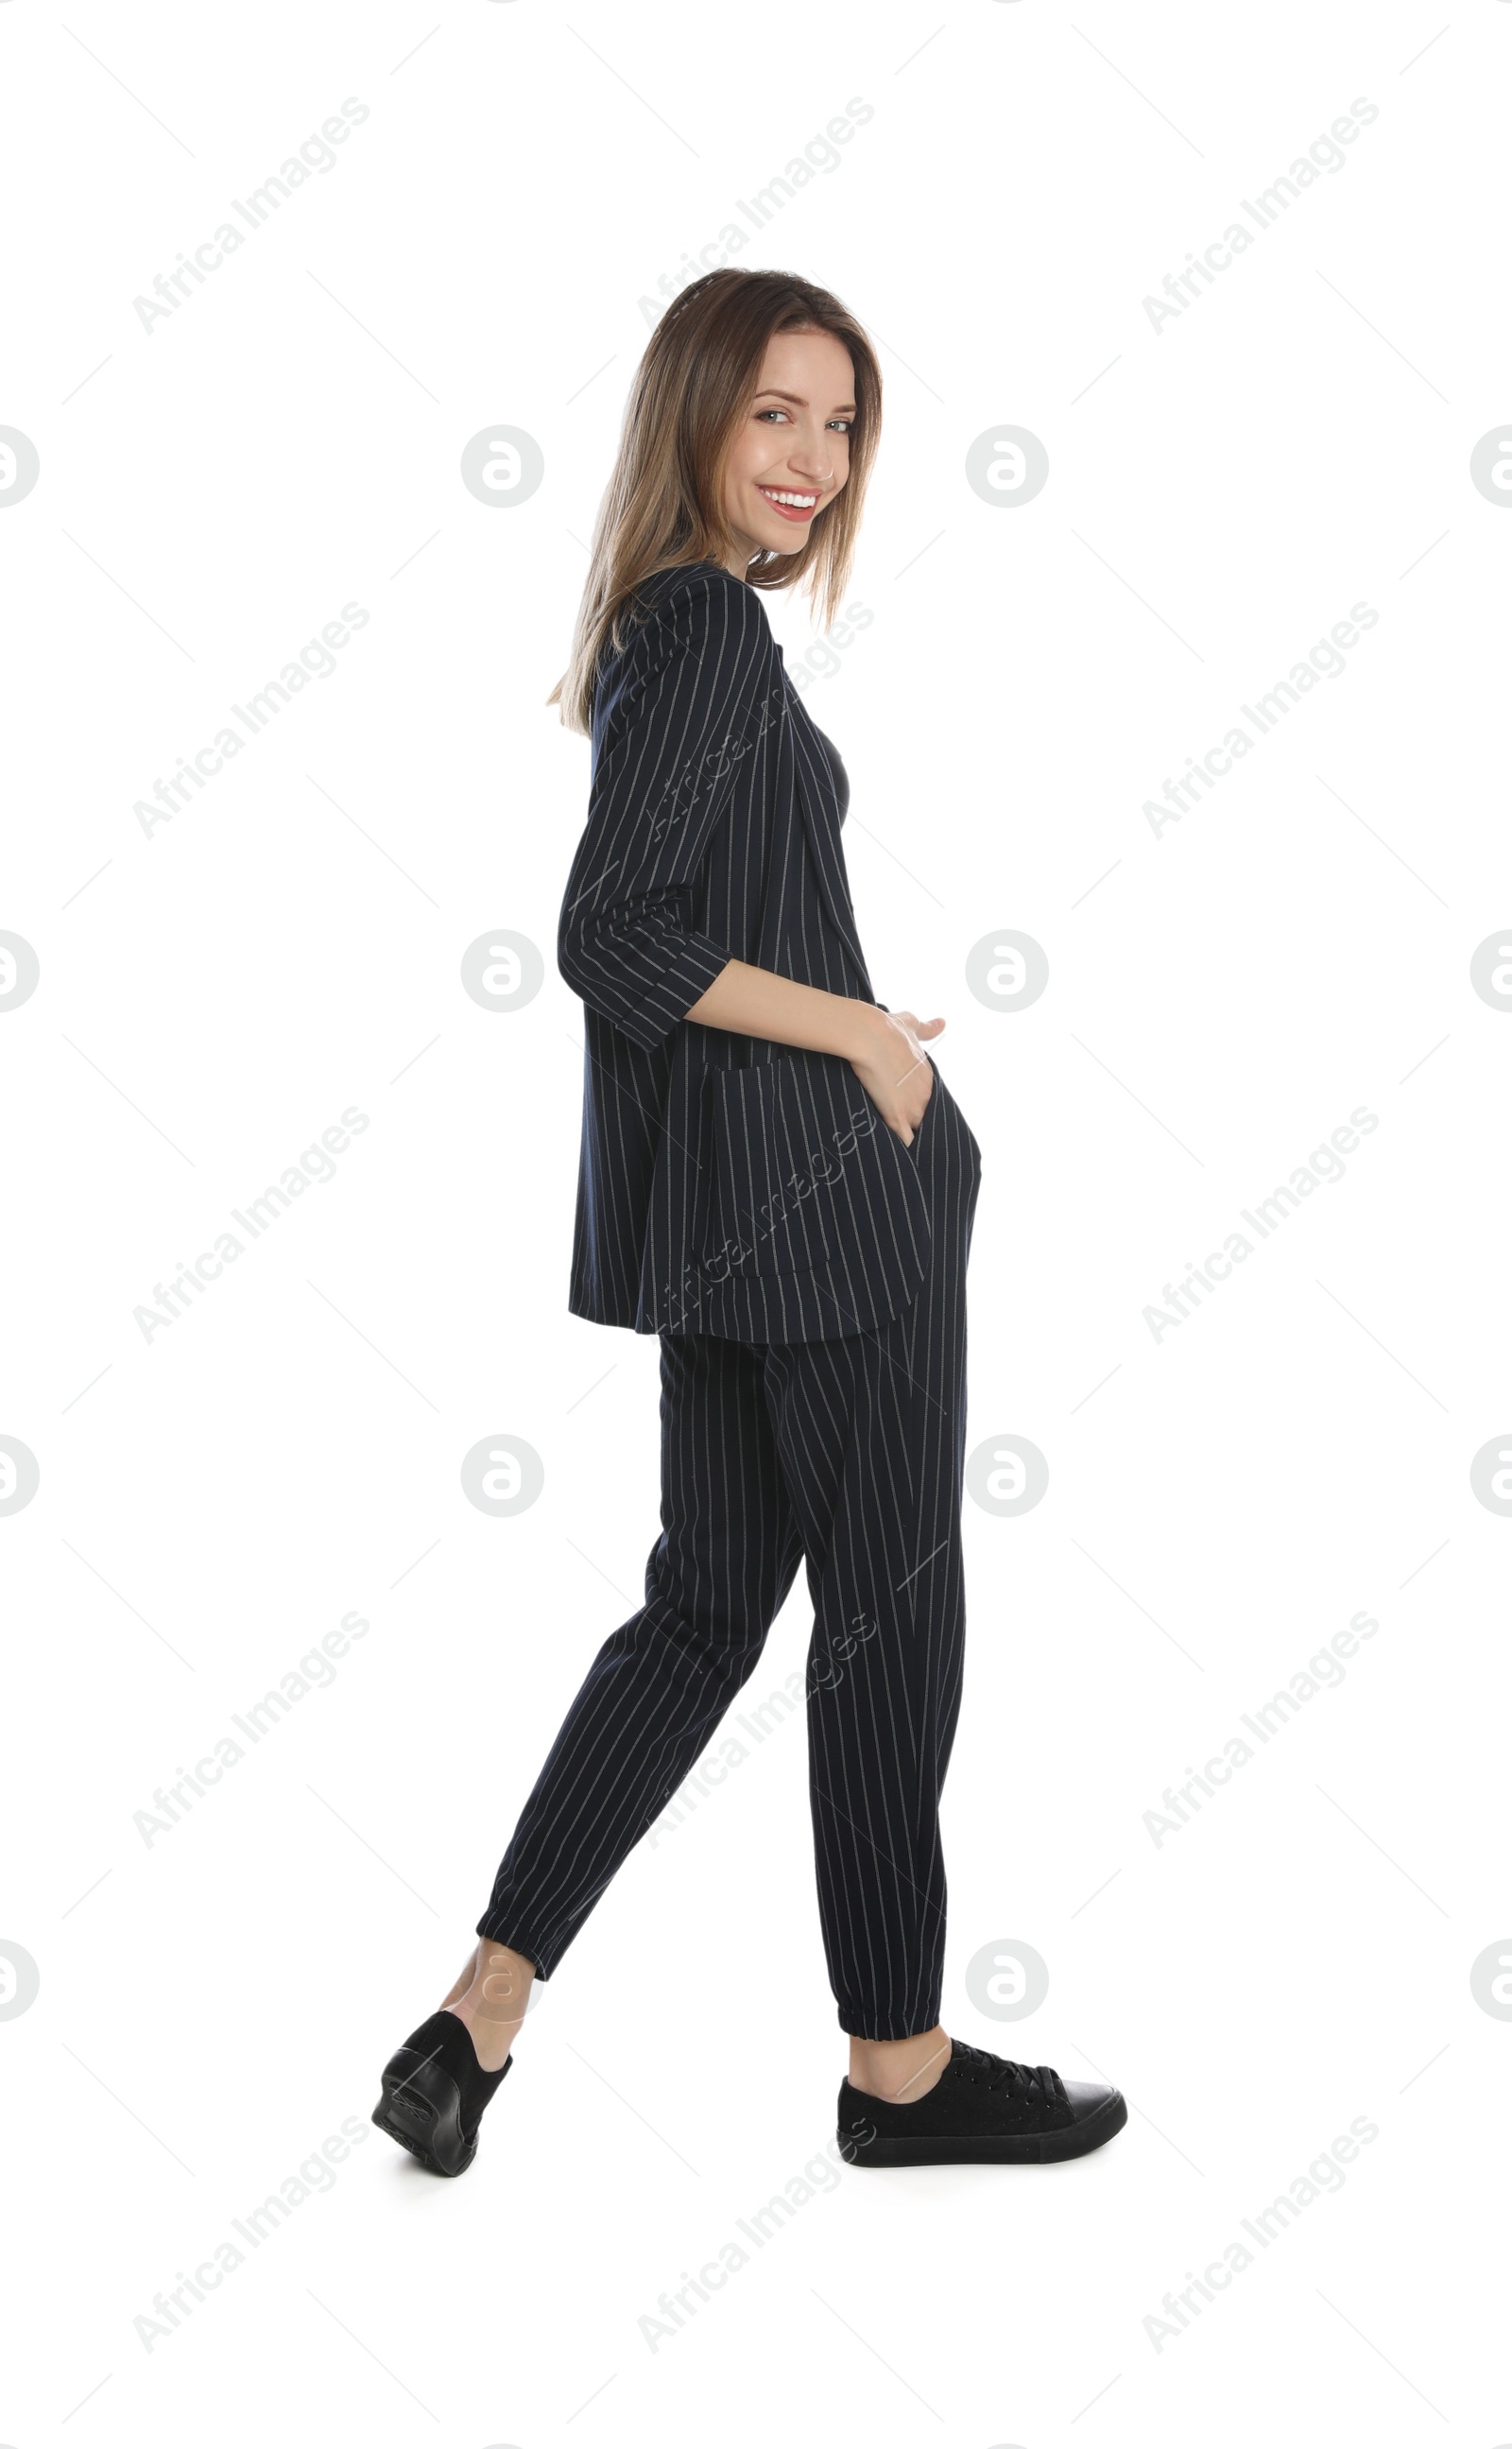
(777, 1182)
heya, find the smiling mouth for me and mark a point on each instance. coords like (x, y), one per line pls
(789, 504)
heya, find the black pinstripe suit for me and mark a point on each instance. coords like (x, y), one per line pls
(726, 1184)
(806, 1273)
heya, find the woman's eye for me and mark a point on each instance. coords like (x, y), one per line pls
(845, 423)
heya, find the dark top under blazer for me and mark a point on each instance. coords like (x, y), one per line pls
(728, 1185)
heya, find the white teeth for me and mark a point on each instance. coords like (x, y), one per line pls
(799, 501)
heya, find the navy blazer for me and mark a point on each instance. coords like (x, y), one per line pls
(728, 1184)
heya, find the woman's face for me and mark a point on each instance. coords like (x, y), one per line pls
(794, 440)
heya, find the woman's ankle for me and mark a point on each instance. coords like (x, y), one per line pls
(491, 1997)
(900, 2070)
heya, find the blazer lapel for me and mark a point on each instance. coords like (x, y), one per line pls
(814, 785)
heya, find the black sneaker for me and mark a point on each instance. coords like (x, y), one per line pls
(434, 2093)
(983, 2107)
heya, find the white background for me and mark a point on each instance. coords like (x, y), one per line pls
(1221, 996)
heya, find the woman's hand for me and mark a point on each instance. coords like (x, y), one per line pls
(894, 1070)
(882, 1048)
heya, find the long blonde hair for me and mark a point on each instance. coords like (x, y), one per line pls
(663, 505)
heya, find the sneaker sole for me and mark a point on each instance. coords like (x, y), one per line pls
(421, 2107)
(929, 2150)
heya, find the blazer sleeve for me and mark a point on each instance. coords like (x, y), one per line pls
(687, 704)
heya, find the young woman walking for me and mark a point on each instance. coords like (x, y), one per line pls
(777, 1182)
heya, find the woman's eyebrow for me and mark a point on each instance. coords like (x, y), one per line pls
(798, 401)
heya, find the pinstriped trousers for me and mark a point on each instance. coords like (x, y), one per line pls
(848, 1455)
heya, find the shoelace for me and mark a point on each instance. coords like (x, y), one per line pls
(1005, 2074)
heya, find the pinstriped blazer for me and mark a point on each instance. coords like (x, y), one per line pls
(728, 1184)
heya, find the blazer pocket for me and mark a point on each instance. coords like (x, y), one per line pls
(805, 1171)
(950, 1109)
